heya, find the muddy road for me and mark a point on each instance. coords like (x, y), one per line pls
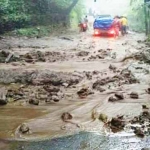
(74, 73)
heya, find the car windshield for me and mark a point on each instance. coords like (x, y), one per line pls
(103, 16)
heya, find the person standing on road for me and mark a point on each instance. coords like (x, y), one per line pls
(124, 23)
(116, 25)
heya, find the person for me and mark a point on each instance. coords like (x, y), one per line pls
(86, 20)
(116, 24)
(124, 23)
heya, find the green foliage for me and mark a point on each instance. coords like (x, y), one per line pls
(136, 15)
(33, 31)
(15, 14)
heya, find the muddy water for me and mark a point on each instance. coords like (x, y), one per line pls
(50, 125)
(12, 116)
(83, 141)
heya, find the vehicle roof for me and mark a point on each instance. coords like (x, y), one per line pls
(103, 17)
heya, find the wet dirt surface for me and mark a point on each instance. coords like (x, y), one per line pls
(88, 67)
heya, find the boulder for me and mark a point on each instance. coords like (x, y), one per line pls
(24, 128)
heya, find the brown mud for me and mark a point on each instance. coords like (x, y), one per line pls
(70, 64)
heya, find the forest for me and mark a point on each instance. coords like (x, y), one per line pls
(20, 14)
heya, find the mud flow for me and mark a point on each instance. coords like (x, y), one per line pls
(61, 85)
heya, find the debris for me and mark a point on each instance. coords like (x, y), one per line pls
(139, 132)
(112, 99)
(66, 116)
(83, 53)
(103, 118)
(134, 95)
(94, 115)
(3, 99)
(119, 96)
(84, 92)
(24, 128)
(112, 67)
(148, 90)
(34, 101)
(117, 124)
(145, 107)
(9, 57)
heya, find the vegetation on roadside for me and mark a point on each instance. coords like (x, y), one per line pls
(136, 15)
(23, 17)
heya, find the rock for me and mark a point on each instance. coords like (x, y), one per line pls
(134, 95)
(55, 98)
(84, 92)
(145, 107)
(100, 89)
(65, 85)
(3, 98)
(139, 132)
(34, 101)
(3, 101)
(103, 118)
(83, 53)
(146, 55)
(94, 115)
(24, 128)
(148, 90)
(145, 149)
(112, 67)
(118, 123)
(119, 96)
(112, 99)
(66, 116)
(51, 88)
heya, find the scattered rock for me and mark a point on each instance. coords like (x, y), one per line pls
(148, 90)
(103, 118)
(24, 128)
(55, 98)
(119, 96)
(146, 55)
(145, 107)
(112, 99)
(112, 67)
(117, 124)
(84, 92)
(134, 95)
(139, 132)
(66, 116)
(34, 101)
(3, 98)
(94, 115)
(83, 53)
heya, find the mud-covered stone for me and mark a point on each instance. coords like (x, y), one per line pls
(134, 95)
(83, 53)
(84, 92)
(24, 128)
(66, 116)
(119, 96)
(112, 67)
(103, 117)
(112, 99)
(34, 101)
(139, 132)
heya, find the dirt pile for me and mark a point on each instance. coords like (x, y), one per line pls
(38, 77)
(7, 56)
(38, 56)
